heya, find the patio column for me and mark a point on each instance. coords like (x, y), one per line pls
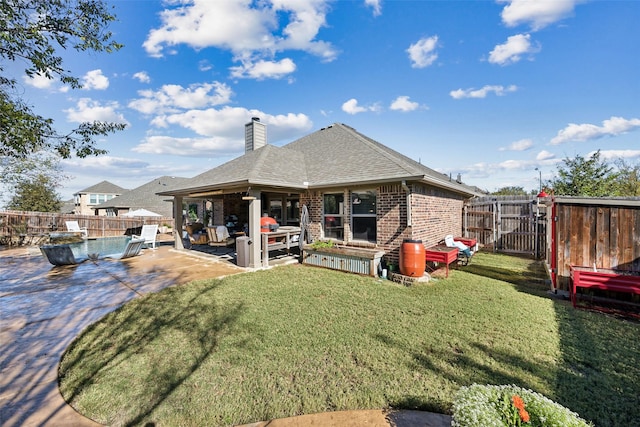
(255, 212)
(177, 219)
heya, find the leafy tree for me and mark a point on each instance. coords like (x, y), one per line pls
(31, 32)
(590, 177)
(510, 191)
(37, 194)
(30, 183)
(626, 181)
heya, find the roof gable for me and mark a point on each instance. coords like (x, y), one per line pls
(104, 187)
(145, 196)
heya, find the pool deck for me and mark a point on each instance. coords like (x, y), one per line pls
(43, 308)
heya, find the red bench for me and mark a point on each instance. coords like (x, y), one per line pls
(603, 279)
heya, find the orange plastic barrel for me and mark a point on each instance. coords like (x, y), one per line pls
(412, 258)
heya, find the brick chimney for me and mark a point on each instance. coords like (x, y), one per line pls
(255, 135)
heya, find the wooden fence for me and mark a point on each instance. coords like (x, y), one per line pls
(17, 223)
(604, 233)
(512, 224)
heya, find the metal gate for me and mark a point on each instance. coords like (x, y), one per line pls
(514, 224)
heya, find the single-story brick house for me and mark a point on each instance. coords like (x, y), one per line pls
(357, 191)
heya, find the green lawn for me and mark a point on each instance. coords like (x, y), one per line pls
(297, 339)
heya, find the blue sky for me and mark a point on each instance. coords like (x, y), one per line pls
(490, 90)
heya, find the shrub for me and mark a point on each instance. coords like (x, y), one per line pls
(509, 406)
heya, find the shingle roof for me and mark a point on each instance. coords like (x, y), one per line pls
(104, 187)
(335, 155)
(145, 197)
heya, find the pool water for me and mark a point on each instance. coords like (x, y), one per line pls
(102, 246)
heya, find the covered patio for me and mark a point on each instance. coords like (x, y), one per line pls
(227, 223)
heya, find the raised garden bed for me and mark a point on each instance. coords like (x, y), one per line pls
(344, 258)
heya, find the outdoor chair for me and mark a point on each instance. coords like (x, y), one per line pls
(132, 249)
(74, 227)
(219, 236)
(60, 255)
(464, 253)
(149, 234)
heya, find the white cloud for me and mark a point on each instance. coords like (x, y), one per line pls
(38, 81)
(142, 77)
(520, 145)
(248, 29)
(262, 69)
(538, 14)
(376, 5)
(104, 164)
(617, 154)
(88, 110)
(204, 65)
(482, 93)
(512, 50)
(422, 53)
(216, 122)
(172, 98)
(219, 131)
(402, 103)
(95, 80)
(545, 155)
(188, 147)
(586, 132)
(352, 107)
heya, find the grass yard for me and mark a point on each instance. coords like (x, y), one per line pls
(295, 340)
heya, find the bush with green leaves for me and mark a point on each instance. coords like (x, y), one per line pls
(499, 405)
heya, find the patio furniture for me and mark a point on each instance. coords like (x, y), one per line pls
(148, 233)
(74, 227)
(132, 249)
(196, 234)
(219, 236)
(464, 253)
(472, 243)
(603, 279)
(60, 255)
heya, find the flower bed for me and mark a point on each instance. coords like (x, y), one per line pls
(507, 406)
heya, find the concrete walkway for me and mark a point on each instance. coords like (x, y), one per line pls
(43, 308)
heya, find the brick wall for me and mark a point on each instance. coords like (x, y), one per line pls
(435, 213)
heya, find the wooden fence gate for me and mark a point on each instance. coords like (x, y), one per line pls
(512, 224)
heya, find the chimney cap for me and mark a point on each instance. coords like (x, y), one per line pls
(255, 119)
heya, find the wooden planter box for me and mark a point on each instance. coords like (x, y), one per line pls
(604, 280)
(343, 258)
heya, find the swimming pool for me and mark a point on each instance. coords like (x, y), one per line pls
(101, 246)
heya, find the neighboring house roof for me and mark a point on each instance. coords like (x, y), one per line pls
(68, 206)
(334, 156)
(146, 197)
(104, 187)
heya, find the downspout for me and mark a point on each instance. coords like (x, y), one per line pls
(405, 187)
